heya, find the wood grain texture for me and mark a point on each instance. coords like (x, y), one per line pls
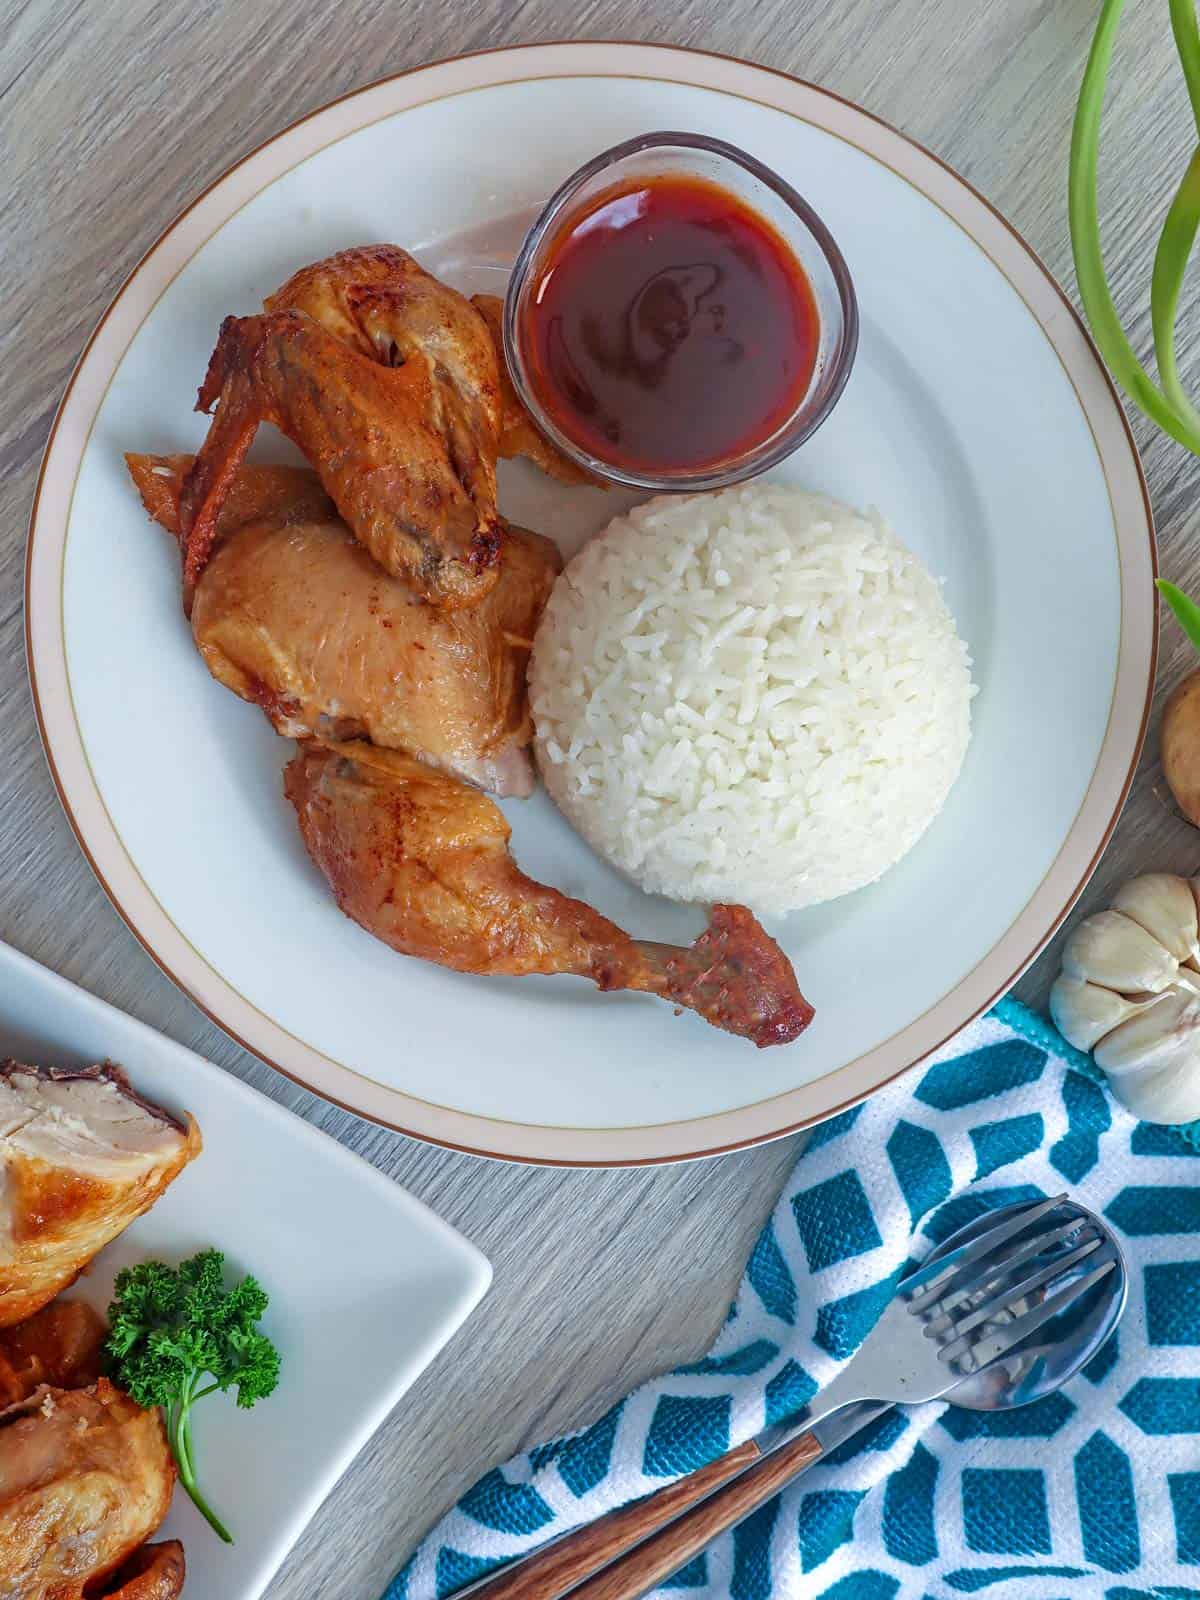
(560, 1567)
(646, 1566)
(111, 117)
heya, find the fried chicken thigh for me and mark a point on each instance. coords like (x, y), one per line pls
(292, 614)
(422, 862)
(82, 1156)
(85, 1478)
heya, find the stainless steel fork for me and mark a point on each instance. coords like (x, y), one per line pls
(963, 1314)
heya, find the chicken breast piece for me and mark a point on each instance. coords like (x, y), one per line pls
(86, 1476)
(82, 1155)
(292, 614)
(422, 862)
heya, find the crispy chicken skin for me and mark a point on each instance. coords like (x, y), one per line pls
(292, 614)
(256, 493)
(59, 1345)
(519, 434)
(422, 862)
(155, 1572)
(85, 1478)
(387, 380)
(369, 431)
(381, 302)
(82, 1156)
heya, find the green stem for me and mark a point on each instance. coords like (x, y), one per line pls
(181, 1444)
(1187, 44)
(1085, 240)
(1170, 264)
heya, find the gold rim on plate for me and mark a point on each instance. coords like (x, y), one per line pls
(335, 1081)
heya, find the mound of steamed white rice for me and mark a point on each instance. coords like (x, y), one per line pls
(755, 696)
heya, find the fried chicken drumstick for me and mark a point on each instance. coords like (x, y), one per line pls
(422, 862)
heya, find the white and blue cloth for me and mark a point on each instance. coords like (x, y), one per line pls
(1093, 1492)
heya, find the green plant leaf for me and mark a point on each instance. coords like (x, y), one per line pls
(1083, 207)
(1187, 612)
(1187, 44)
(1170, 263)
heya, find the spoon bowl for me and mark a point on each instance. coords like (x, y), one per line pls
(1059, 1349)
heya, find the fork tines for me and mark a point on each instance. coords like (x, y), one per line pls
(974, 1265)
(980, 1352)
(976, 1302)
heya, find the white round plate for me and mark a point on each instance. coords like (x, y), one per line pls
(978, 419)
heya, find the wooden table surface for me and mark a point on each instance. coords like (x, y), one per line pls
(111, 118)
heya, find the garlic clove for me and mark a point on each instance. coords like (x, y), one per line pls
(1165, 1033)
(1164, 905)
(1084, 1012)
(1112, 950)
(1171, 1094)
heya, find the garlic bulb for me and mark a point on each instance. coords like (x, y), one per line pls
(1130, 993)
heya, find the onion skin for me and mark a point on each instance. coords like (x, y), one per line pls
(1179, 744)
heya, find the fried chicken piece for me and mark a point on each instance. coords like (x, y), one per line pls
(86, 1477)
(59, 1345)
(82, 1156)
(155, 1572)
(292, 614)
(381, 302)
(255, 493)
(387, 446)
(519, 434)
(422, 862)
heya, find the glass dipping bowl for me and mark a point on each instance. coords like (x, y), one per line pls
(656, 155)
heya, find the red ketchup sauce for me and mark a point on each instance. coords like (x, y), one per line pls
(671, 327)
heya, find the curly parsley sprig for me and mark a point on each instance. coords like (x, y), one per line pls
(170, 1328)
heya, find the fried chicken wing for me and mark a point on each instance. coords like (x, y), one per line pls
(292, 614)
(419, 500)
(85, 1478)
(255, 493)
(422, 862)
(82, 1156)
(519, 434)
(379, 301)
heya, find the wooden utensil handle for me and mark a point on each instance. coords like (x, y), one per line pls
(576, 1556)
(675, 1545)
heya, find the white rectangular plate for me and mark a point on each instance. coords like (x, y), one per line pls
(366, 1284)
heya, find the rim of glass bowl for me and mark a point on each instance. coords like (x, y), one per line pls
(769, 452)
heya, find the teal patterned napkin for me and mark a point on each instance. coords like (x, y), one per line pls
(1092, 1492)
